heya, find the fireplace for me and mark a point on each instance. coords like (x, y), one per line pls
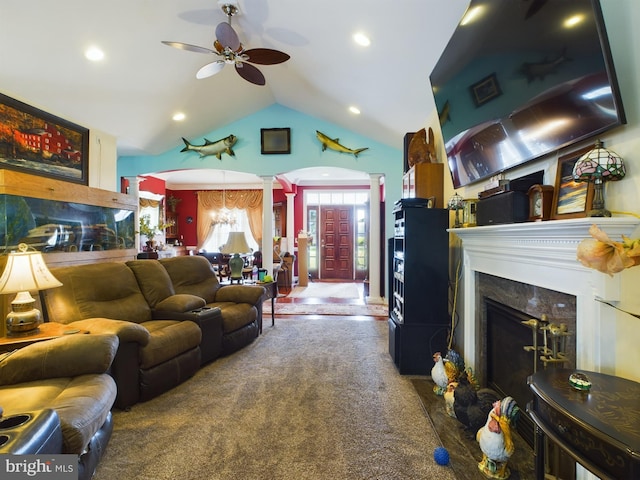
(541, 255)
(532, 268)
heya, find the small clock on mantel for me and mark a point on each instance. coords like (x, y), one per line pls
(540, 200)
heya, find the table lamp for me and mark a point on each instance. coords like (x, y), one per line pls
(236, 244)
(456, 203)
(598, 166)
(25, 272)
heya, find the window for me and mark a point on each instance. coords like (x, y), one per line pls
(221, 232)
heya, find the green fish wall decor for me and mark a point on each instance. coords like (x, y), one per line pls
(333, 144)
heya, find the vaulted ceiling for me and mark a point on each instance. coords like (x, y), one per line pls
(134, 91)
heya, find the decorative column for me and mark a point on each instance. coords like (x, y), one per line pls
(267, 223)
(291, 234)
(374, 240)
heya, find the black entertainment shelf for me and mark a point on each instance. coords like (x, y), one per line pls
(418, 286)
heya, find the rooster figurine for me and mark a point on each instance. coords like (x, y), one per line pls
(449, 399)
(495, 439)
(471, 404)
(439, 374)
(446, 370)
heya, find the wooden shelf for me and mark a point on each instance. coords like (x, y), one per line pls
(425, 180)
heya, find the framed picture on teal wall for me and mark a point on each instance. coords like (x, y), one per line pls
(42, 144)
(275, 141)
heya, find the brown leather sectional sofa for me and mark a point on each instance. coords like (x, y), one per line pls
(151, 324)
(170, 315)
(57, 398)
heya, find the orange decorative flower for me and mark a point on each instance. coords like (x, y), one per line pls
(607, 256)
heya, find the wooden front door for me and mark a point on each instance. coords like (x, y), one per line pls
(336, 242)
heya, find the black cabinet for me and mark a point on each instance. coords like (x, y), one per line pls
(419, 276)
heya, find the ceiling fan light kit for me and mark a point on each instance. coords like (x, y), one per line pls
(228, 46)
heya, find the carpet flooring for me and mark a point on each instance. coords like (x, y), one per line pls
(308, 399)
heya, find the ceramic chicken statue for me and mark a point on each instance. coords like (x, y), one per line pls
(495, 439)
(449, 399)
(454, 365)
(471, 405)
(439, 374)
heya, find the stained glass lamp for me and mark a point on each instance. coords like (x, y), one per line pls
(598, 166)
(456, 203)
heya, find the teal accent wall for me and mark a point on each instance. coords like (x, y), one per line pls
(306, 151)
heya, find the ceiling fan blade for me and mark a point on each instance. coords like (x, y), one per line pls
(190, 48)
(266, 56)
(210, 69)
(227, 36)
(250, 73)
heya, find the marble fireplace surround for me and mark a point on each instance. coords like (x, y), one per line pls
(543, 254)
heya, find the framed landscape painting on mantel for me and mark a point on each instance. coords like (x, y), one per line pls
(571, 199)
(36, 142)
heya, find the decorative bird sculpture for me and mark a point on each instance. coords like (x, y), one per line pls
(471, 405)
(439, 374)
(454, 365)
(449, 399)
(446, 370)
(495, 439)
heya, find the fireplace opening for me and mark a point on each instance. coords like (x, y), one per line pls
(508, 364)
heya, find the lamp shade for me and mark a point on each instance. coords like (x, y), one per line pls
(599, 163)
(236, 243)
(456, 203)
(26, 271)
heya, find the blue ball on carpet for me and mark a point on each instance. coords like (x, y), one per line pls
(441, 456)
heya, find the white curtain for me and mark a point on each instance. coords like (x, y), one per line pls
(218, 233)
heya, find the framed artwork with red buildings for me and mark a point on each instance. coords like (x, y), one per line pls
(36, 142)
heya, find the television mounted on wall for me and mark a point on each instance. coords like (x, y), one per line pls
(522, 80)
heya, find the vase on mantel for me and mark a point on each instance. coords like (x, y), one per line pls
(150, 246)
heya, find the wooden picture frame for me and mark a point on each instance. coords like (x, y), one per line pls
(571, 199)
(274, 141)
(36, 142)
(485, 90)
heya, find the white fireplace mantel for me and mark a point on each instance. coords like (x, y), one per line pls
(544, 254)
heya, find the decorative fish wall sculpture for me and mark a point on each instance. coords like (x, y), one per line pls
(216, 148)
(333, 144)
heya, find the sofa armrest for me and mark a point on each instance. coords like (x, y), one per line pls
(180, 303)
(126, 331)
(67, 356)
(250, 294)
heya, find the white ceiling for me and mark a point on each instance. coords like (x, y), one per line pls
(141, 83)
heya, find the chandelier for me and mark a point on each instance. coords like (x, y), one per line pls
(224, 216)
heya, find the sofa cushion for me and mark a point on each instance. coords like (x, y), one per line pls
(153, 280)
(108, 290)
(235, 315)
(82, 404)
(168, 339)
(193, 275)
(58, 358)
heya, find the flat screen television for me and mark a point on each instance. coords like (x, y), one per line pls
(521, 80)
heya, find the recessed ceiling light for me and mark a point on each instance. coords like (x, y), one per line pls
(179, 116)
(361, 39)
(94, 54)
(354, 110)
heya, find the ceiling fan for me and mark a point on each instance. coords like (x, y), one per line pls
(227, 45)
